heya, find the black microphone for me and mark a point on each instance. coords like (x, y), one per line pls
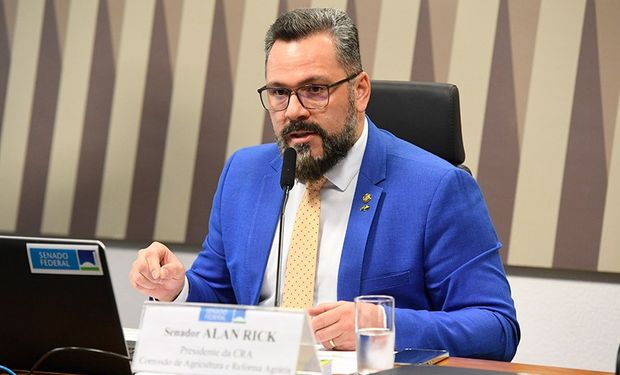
(287, 180)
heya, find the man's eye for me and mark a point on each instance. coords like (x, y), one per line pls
(314, 89)
(279, 92)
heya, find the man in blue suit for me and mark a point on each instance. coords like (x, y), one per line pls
(394, 219)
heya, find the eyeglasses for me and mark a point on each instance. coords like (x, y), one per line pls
(311, 96)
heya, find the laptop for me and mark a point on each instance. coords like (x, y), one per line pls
(58, 293)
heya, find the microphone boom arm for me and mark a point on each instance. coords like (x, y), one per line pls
(280, 240)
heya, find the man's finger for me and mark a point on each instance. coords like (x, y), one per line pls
(143, 282)
(153, 267)
(325, 319)
(326, 333)
(174, 271)
(321, 308)
(153, 258)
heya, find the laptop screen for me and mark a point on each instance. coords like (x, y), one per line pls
(58, 293)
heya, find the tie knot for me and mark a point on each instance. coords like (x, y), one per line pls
(316, 185)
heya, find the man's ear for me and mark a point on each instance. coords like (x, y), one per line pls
(362, 92)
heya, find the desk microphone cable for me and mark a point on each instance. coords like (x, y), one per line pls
(72, 348)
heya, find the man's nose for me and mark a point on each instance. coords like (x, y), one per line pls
(295, 109)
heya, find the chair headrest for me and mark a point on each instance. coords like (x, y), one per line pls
(423, 113)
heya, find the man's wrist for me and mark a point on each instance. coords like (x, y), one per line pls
(179, 298)
(183, 294)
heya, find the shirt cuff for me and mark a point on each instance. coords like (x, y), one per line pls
(182, 297)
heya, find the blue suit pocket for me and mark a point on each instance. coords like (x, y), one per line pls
(385, 282)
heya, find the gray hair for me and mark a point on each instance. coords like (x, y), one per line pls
(301, 23)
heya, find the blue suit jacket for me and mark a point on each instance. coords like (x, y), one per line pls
(426, 239)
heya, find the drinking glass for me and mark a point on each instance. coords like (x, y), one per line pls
(374, 332)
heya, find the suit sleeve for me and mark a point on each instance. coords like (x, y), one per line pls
(209, 279)
(472, 313)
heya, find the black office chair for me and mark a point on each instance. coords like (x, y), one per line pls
(423, 113)
(618, 362)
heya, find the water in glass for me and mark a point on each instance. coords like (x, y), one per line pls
(375, 350)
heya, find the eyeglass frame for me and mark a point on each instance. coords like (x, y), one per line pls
(291, 91)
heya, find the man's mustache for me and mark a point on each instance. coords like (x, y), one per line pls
(303, 126)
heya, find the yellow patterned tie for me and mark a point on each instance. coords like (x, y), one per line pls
(301, 262)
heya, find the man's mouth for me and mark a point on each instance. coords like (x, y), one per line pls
(301, 136)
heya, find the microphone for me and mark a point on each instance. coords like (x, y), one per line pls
(287, 180)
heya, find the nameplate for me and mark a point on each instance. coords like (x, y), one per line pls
(224, 339)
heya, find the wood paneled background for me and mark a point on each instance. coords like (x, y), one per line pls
(117, 116)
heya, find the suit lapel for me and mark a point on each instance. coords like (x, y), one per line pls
(263, 227)
(372, 172)
(265, 219)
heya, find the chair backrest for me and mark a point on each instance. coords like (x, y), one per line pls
(618, 362)
(423, 113)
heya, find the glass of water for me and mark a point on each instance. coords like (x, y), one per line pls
(374, 332)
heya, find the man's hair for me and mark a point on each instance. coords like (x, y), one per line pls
(301, 23)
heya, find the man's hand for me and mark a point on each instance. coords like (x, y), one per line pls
(334, 323)
(157, 273)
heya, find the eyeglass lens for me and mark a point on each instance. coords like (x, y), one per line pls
(310, 96)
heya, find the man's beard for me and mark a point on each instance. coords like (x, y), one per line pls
(335, 147)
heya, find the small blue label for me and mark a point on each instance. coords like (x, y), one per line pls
(212, 314)
(66, 259)
(54, 259)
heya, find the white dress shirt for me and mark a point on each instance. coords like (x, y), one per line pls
(336, 199)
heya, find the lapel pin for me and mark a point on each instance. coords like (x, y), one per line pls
(366, 198)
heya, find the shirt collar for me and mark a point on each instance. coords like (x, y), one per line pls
(342, 174)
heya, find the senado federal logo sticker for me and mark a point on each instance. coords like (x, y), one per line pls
(221, 315)
(68, 259)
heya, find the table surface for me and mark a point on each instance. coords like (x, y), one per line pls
(515, 367)
(481, 364)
